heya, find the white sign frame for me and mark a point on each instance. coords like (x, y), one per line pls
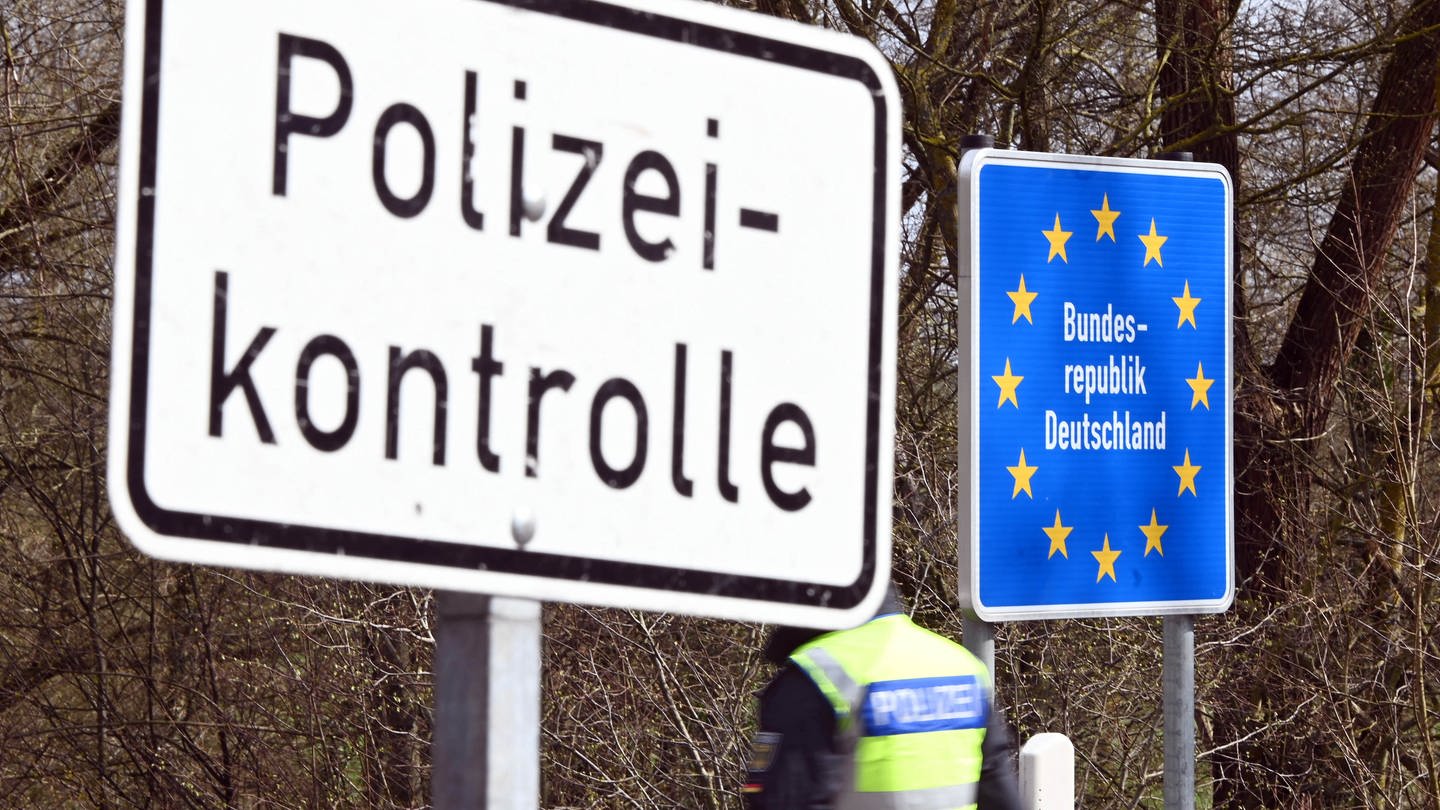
(155, 479)
(1211, 594)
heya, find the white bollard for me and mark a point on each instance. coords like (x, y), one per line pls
(1047, 773)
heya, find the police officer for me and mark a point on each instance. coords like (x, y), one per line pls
(883, 716)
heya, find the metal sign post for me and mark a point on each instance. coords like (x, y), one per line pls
(486, 745)
(977, 634)
(1179, 707)
(1178, 676)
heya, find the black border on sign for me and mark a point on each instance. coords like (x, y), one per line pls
(245, 531)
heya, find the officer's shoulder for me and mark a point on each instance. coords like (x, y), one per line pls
(938, 638)
(941, 641)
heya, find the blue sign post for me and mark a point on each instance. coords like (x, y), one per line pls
(1096, 389)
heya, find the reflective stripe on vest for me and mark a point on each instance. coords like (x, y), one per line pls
(949, 797)
(835, 683)
(910, 709)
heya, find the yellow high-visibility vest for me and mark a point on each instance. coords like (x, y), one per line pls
(911, 707)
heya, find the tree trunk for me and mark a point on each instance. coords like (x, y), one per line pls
(1279, 415)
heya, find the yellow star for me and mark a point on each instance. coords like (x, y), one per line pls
(1057, 239)
(1022, 473)
(1187, 473)
(1201, 387)
(1187, 306)
(1153, 241)
(1152, 535)
(1106, 558)
(1057, 535)
(1008, 383)
(1106, 218)
(1022, 298)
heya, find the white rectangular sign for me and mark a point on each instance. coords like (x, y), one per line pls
(558, 299)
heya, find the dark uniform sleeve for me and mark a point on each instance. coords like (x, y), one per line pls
(999, 784)
(793, 763)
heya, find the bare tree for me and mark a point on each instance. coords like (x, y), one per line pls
(128, 682)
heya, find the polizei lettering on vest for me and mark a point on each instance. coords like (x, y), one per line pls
(926, 704)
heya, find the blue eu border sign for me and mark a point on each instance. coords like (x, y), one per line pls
(1096, 387)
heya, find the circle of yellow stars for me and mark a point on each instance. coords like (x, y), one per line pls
(1008, 382)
